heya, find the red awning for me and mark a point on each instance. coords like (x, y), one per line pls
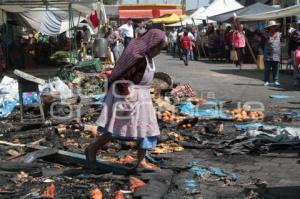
(135, 14)
(158, 13)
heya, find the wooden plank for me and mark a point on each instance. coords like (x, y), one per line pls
(18, 166)
(66, 157)
(29, 77)
(31, 157)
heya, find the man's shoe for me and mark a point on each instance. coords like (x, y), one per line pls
(277, 83)
(266, 84)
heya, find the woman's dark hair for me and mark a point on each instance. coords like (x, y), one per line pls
(185, 33)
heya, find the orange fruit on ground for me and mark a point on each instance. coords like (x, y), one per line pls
(96, 194)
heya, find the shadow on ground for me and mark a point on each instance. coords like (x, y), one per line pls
(286, 80)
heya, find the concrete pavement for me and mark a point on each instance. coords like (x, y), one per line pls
(229, 83)
(282, 175)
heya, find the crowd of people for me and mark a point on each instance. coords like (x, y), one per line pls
(236, 44)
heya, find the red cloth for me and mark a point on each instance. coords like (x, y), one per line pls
(94, 19)
(186, 42)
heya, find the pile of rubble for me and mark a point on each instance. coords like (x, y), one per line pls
(45, 160)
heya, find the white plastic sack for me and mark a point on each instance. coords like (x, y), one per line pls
(58, 85)
(9, 87)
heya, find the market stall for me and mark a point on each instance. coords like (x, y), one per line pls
(281, 13)
(219, 7)
(189, 20)
(167, 19)
(253, 9)
(44, 22)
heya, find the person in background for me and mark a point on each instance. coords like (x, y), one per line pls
(294, 45)
(212, 42)
(192, 43)
(128, 112)
(178, 41)
(272, 52)
(78, 38)
(227, 42)
(220, 44)
(257, 43)
(86, 35)
(173, 41)
(114, 40)
(140, 30)
(239, 44)
(127, 32)
(186, 46)
(86, 39)
(194, 32)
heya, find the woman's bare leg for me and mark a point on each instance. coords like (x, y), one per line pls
(142, 162)
(98, 143)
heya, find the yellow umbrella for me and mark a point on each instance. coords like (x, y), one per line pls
(173, 18)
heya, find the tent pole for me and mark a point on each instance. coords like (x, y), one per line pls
(6, 40)
(4, 52)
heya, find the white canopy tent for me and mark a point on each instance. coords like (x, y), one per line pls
(218, 7)
(215, 8)
(281, 13)
(189, 20)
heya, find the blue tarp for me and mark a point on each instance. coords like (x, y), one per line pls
(8, 105)
(194, 111)
(281, 97)
(216, 171)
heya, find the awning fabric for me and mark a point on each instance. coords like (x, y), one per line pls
(189, 20)
(31, 4)
(161, 12)
(215, 8)
(173, 18)
(252, 9)
(51, 22)
(136, 14)
(285, 12)
(13, 8)
(218, 7)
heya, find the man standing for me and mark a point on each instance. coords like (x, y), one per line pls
(115, 44)
(127, 32)
(186, 46)
(173, 40)
(272, 52)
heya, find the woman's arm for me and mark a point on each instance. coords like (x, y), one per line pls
(134, 74)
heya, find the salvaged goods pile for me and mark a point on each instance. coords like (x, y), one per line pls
(46, 159)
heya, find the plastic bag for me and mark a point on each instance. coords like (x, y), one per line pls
(59, 86)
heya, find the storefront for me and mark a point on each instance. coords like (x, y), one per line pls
(139, 12)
